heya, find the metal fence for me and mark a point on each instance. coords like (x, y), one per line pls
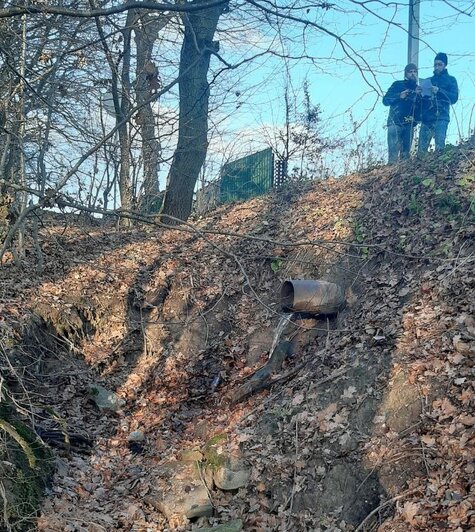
(242, 179)
(248, 176)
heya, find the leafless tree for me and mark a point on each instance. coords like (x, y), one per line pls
(56, 134)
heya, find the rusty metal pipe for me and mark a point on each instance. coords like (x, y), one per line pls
(313, 296)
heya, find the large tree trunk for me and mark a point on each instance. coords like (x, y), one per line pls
(192, 143)
(146, 33)
(125, 183)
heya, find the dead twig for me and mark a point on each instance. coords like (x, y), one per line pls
(6, 521)
(295, 465)
(383, 505)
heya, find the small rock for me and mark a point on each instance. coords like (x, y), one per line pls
(136, 436)
(215, 383)
(207, 476)
(232, 526)
(234, 474)
(105, 399)
(181, 492)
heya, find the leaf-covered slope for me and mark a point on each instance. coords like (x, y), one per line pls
(372, 416)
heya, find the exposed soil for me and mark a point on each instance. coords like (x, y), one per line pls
(370, 424)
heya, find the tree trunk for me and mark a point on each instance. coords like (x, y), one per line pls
(146, 33)
(125, 184)
(192, 143)
(121, 98)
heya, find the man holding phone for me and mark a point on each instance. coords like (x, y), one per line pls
(402, 99)
(442, 92)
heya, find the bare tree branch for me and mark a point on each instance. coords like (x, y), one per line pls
(94, 13)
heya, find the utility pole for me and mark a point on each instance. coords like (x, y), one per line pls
(413, 32)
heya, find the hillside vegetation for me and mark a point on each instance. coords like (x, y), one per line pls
(369, 424)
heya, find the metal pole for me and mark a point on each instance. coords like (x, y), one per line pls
(413, 32)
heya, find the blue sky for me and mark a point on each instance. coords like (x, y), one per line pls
(338, 85)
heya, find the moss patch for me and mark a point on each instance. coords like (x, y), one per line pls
(26, 465)
(214, 459)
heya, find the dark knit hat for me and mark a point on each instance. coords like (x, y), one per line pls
(410, 66)
(442, 57)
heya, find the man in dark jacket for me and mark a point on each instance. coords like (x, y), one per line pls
(402, 97)
(435, 114)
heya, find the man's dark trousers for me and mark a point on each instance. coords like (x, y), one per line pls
(399, 142)
(437, 130)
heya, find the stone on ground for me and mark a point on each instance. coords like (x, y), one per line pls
(181, 493)
(105, 399)
(232, 475)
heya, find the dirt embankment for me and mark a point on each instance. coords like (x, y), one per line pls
(374, 424)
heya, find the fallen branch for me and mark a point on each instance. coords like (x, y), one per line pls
(63, 439)
(383, 505)
(262, 378)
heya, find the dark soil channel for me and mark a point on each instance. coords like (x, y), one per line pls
(338, 484)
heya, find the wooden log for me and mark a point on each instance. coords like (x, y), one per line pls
(262, 378)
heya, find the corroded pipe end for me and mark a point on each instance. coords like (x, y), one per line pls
(313, 296)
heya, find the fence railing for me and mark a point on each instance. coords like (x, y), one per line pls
(242, 179)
